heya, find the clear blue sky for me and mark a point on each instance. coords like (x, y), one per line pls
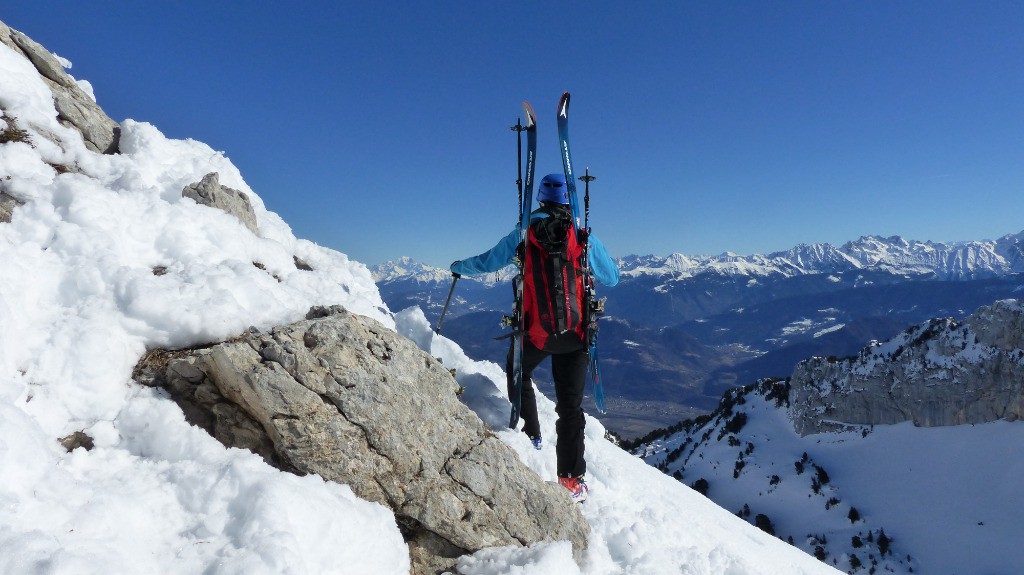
(381, 128)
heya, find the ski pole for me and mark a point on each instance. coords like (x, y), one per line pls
(587, 178)
(455, 278)
(590, 291)
(518, 129)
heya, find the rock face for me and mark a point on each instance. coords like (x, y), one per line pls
(7, 205)
(75, 108)
(342, 396)
(209, 192)
(940, 372)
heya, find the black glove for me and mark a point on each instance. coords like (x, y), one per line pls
(582, 236)
(455, 263)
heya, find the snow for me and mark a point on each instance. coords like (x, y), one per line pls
(962, 511)
(831, 329)
(83, 84)
(797, 327)
(947, 496)
(894, 255)
(817, 325)
(642, 522)
(405, 268)
(108, 260)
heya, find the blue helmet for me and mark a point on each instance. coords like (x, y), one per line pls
(553, 189)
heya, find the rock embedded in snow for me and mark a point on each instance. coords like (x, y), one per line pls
(938, 373)
(75, 107)
(7, 205)
(344, 397)
(209, 192)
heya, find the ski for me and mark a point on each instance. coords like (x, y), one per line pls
(592, 304)
(525, 208)
(531, 152)
(563, 148)
(595, 375)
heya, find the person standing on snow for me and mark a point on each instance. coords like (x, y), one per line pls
(552, 227)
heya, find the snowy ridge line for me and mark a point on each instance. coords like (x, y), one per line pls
(959, 260)
(895, 255)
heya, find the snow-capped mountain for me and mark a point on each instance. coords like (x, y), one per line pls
(407, 268)
(917, 438)
(895, 255)
(822, 258)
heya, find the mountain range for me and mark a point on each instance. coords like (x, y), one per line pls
(682, 329)
(896, 255)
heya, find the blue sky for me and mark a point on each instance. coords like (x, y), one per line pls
(381, 128)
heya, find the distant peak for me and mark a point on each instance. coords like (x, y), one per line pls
(407, 267)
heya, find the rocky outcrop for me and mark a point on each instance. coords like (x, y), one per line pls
(75, 108)
(209, 192)
(7, 205)
(342, 396)
(941, 372)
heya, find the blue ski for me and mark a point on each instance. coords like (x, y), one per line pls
(595, 374)
(570, 181)
(525, 209)
(563, 148)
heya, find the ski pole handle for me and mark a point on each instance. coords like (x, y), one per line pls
(455, 278)
(587, 178)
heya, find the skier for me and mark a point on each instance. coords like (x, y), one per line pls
(568, 348)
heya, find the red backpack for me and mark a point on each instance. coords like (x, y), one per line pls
(553, 284)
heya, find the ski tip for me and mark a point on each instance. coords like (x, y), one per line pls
(563, 106)
(531, 118)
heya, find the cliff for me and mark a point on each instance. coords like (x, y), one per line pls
(940, 372)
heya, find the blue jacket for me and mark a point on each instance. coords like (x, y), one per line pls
(503, 253)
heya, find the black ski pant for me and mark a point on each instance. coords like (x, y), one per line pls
(569, 370)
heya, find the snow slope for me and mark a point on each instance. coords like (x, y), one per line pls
(947, 498)
(106, 260)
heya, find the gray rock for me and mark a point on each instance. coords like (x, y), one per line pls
(7, 205)
(344, 397)
(76, 440)
(940, 372)
(74, 107)
(209, 192)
